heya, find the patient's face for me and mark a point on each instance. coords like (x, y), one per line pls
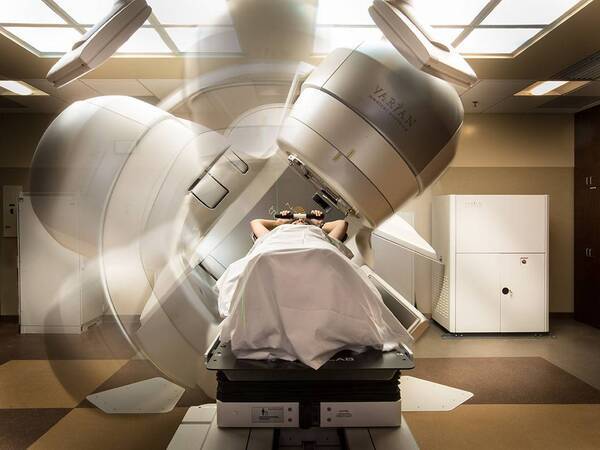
(300, 222)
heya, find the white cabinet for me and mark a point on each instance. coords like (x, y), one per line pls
(523, 303)
(59, 290)
(477, 293)
(495, 251)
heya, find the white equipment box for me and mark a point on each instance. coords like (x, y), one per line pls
(58, 289)
(495, 251)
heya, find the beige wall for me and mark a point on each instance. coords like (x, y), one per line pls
(513, 154)
(497, 154)
(19, 135)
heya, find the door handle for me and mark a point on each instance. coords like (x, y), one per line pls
(506, 291)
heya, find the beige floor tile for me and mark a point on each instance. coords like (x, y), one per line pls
(573, 347)
(91, 429)
(493, 427)
(52, 384)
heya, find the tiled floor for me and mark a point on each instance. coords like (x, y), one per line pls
(529, 392)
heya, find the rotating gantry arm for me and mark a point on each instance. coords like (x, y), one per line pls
(371, 126)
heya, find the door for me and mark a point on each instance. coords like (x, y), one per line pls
(523, 293)
(477, 293)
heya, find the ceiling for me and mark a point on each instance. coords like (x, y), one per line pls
(48, 28)
(558, 42)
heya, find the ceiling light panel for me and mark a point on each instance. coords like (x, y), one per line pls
(86, 12)
(489, 41)
(205, 39)
(448, 35)
(27, 12)
(344, 12)
(530, 12)
(445, 12)
(328, 39)
(191, 12)
(145, 41)
(547, 86)
(16, 87)
(47, 39)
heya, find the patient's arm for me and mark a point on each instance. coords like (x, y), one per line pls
(261, 227)
(336, 229)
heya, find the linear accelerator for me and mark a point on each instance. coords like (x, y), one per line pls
(368, 127)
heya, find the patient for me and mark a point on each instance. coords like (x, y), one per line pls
(297, 295)
(336, 229)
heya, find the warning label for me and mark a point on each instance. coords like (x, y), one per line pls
(267, 414)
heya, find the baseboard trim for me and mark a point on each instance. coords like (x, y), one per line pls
(562, 315)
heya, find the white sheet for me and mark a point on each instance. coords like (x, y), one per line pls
(296, 296)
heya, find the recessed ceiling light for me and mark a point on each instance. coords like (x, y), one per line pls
(496, 40)
(47, 39)
(447, 34)
(86, 12)
(191, 12)
(144, 40)
(13, 87)
(28, 11)
(16, 87)
(445, 12)
(205, 39)
(554, 87)
(530, 12)
(328, 39)
(344, 12)
(547, 86)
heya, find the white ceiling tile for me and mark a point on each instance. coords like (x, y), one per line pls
(496, 41)
(529, 12)
(161, 88)
(518, 105)
(144, 40)
(191, 12)
(129, 87)
(76, 90)
(27, 11)
(87, 12)
(446, 12)
(447, 34)
(47, 39)
(488, 93)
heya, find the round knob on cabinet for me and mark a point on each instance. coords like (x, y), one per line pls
(505, 291)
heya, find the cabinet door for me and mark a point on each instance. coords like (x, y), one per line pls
(48, 272)
(523, 293)
(477, 293)
(501, 223)
(587, 245)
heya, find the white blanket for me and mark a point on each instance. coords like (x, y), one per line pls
(296, 296)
